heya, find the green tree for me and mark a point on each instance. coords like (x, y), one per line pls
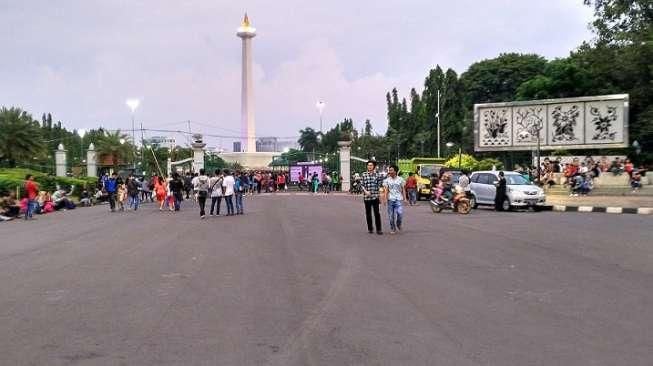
(109, 144)
(308, 139)
(20, 136)
(497, 79)
(622, 21)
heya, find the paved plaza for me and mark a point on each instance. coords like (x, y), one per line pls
(298, 281)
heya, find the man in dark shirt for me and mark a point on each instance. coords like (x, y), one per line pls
(370, 183)
(501, 192)
(177, 187)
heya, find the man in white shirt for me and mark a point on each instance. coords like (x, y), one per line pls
(228, 183)
(216, 191)
(394, 194)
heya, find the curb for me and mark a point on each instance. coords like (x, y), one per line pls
(613, 210)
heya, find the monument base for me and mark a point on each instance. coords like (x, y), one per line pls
(250, 160)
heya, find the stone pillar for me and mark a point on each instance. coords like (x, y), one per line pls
(60, 161)
(345, 164)
(198, 153)
(91, 161)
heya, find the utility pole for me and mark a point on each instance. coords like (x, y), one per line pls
(438, 116)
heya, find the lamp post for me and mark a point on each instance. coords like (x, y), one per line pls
(133, 104)
(81, 132)
(537, 128)
(438, 117)
(320, 108)
(460, 152)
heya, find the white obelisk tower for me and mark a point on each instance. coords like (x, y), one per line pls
(246, 32)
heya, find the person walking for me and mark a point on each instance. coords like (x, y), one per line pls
(132, 190)
(122, 196)
(228, 183)
(216, 192)
(281, 182)
(188, 184)
(411, 189)
(177, 189)
(202, 189)
(501, 192)
(393, 195)
(111, 186)
(160, 191)
(239, 190)
(370, 185)
(31, 193)
(146, 194)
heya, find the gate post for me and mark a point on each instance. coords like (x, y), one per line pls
(345, 164)
(60, 161)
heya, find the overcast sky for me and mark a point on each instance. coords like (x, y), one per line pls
(81, 59)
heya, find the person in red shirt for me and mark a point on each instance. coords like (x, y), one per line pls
(281, 182)
(31, 193)
(411, 188)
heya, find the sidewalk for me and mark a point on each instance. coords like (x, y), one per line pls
(601, 201)
(607, 204)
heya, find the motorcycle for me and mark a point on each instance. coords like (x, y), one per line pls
(458, 203)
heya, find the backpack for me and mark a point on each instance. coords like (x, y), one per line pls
(203, 186)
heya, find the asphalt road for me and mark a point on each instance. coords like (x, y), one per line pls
(298, 281)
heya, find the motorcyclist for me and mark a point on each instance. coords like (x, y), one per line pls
(446, 186)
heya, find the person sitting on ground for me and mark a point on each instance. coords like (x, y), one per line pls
(45, 202)
(61, 200)
(85, 199)
(587, 185)
(9, 207)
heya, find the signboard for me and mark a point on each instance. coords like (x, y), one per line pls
(305, 170)
(569, 123)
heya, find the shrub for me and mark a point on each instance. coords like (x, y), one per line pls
(487, 164)
(467, 162)
(12, 178)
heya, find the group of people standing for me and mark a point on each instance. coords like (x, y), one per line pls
(221, 185)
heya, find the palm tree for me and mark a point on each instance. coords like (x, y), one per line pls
(308, 139)
(115, 145)
(20, 136)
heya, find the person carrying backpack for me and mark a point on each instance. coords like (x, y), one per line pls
(202, 187)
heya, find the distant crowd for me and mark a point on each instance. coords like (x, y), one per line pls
(579, 175)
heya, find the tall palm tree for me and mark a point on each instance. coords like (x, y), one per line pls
(20, 136)
(308, 139)
(115, 145)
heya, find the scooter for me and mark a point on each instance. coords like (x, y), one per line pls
(458, 203)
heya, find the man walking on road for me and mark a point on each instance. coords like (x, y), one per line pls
(394, 194)
(111, 186)
(31, 192)
(370, 184)
(202, 188)
(411, 189)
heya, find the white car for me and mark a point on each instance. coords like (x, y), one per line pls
(520, 193)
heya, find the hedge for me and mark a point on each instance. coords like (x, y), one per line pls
(12, 178)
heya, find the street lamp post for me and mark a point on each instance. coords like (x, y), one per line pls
(133, 104)
(460, 152)
(538, 128)
(81, 132)
(438, 116)
(320, 108)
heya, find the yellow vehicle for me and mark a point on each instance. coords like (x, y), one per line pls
(423, 169)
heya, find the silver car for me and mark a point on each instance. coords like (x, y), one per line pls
(520, 192)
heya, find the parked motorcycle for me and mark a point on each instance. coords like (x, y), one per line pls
(458, 203)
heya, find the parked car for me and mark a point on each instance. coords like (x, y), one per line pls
(520, 192)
